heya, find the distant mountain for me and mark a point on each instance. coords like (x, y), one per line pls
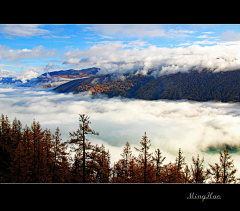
(202, 85)
(71, 73)
(56, 78)
(9, 80)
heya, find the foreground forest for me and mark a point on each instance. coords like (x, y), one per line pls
(33, 155)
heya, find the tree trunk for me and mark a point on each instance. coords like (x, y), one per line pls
(84, 158)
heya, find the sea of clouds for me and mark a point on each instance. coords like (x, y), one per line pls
(195, 127)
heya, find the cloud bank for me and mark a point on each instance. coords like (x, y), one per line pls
(10, 55)
(196, 128)
(123, 57)
(23, 30)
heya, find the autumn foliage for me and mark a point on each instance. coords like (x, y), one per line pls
(33, 155)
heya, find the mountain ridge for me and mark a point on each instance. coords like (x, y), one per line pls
(56, 78)
(195, 85)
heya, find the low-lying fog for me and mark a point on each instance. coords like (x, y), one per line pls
(195, 127)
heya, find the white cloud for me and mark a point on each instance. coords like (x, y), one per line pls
(202, 36)
(6, 73)
(210, 32)
(230, 36)
(23, 30)
(26, 73)
(194, 127)
(125, 57)
(204, 42)
(137, 30)
(179, 33)
(10, 55)
(129, 30)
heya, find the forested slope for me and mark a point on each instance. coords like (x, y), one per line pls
(194, 85)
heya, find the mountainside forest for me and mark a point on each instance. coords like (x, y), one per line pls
(33, 155)
(195, 85)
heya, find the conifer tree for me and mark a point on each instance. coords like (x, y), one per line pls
(60, 165)
(16, 132)
(198, 174)
(223, 172)
(18, 168)
(180, 164)
(104, 165)
(48, 145)
(227, 167)
(28, 158)
(144, 156)
(79, 138)
(170, 174)
(37, 138)
(187, 175)
(6, 151)
(159, 161)
(125, 161)
(215, 171)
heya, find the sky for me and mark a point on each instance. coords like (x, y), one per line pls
(28, 50)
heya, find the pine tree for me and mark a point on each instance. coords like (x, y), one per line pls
(48, 145)
(18, 168)
(38, 153)
(60, 172)
(104, 165)
(79, 138)
(223, 172)
(144, 156)
(215, 172)
(6, 151)
(16, 132)
(227, 167)
(159, 161)
(125, 162)
(170, 174)
(180, 164)
(5, 130)
(187, 175)
(28, 158)
(198, 174)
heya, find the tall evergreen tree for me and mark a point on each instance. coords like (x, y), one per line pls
(79, 138)
(6, 152)
(125, 161)
(28, 158)
(37, 138)
(198, 174)
(60, 165)
(144, 156)
(215, 173)
(16, 132)
(227, 167)
(180, 162)
(159, 161)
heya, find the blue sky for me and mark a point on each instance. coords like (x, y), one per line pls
(31, 47)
